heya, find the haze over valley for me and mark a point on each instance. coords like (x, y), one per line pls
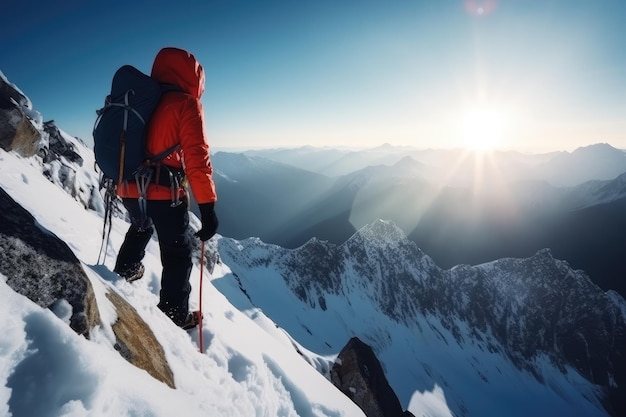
(458, 206)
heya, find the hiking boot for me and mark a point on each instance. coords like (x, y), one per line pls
(131, 272)
(190, 321)
(183, 320)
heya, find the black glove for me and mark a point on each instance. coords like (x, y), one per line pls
(209, 221)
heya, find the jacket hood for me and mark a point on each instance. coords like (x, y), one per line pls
(179, 67)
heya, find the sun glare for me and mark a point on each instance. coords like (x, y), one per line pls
(480, 8)
(482, 129)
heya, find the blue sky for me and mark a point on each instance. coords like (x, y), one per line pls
(530, 74)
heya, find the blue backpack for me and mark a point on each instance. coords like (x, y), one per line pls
(119, 132)
(119, 137)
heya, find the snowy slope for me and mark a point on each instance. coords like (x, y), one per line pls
(244, 371)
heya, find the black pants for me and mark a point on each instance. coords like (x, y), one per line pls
(171, 225)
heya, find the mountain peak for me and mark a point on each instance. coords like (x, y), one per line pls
(409, 164)
(383, 231)
(233, 157)
(600, 161)
(385, 147)
(597, 150)
(596, 147)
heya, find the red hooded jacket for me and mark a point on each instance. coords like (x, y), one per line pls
(179, 118)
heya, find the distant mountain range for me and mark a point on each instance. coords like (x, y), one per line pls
(458, 167)
(458, 207)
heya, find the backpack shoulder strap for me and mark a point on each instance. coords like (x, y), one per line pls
(171, 87)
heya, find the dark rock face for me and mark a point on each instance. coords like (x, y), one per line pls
(9, 94)
(358, 374)
(58, 147)
(41, 267)
(17, 133)
(62, 164)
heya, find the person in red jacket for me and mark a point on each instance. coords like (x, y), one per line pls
(177, 120)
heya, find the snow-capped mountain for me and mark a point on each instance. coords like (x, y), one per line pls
(513, 337)
(534, 322)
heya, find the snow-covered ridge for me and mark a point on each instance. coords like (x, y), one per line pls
(537, 314)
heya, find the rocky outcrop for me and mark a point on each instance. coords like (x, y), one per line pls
(41, 267)
(358, 374)
(60, 157)
(17, 132)
(58, 147)
(62, 163)
(136, 342)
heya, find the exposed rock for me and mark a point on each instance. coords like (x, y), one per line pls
(61, 158)
(136, 342)
(17, 132)
(358, 374)
(9, 93)
(43, 268)
(59, 147)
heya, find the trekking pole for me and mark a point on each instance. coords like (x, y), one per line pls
(199, 313)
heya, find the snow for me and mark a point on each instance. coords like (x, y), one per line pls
(249, 366)
(430, 403)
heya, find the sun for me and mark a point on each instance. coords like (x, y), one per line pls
(482, 129)
(480, 8)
